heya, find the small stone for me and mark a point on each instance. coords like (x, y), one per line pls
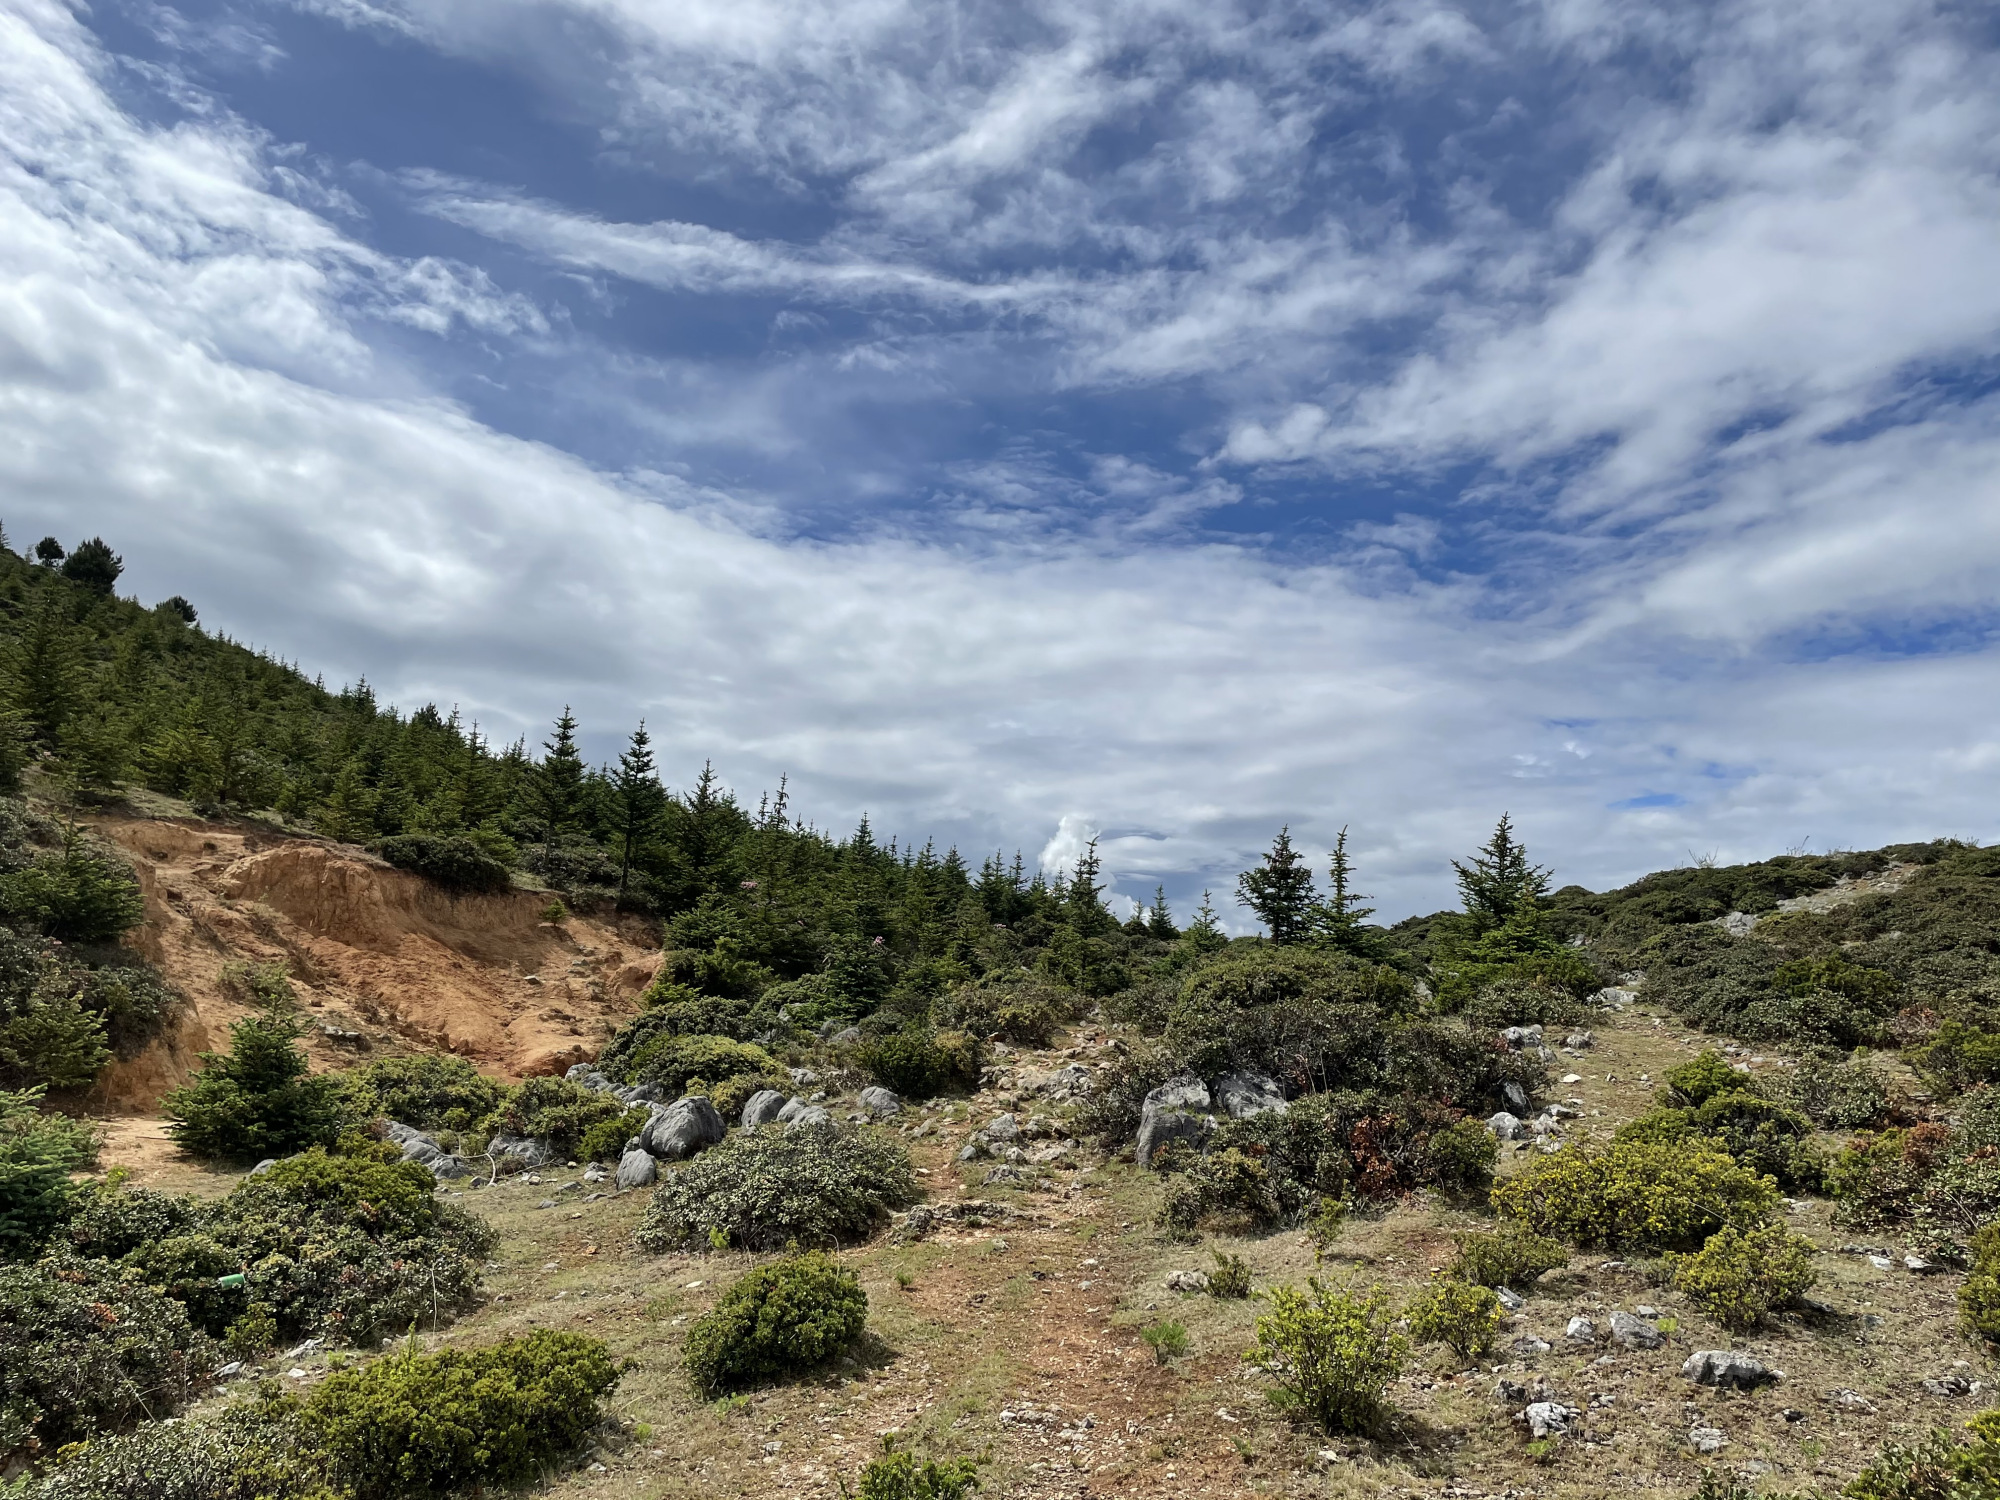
(1881, 1263)
(1792, 1414)
(1569, 1078)
(1919, 1265)
(1580, 1330)
(1528, 1344)
(1505, 1127)
(1510, 1299)
(1707, 1439)
(1580, 1041)
(1187, 1282)
(1949, 1386)
(1548, 1419)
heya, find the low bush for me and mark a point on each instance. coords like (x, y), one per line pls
(1167, 1339)
(1979, 1298)
(331, 1245)
(1837, 1095)
(1693, 1083)
(37, 1154)
(896, 1475)
(427, 1090)
(258, 1099)
(1976, 1121)
(677, 1062)
(1516, 1001)
(921, 1064)
(1230, 1280)
(1026, 1013)
(47, 1037)
(1459, 1159)
(1915, 1179)
(1740, 1276)
(1330, 1354)
(451, 860)
(816, 1185)
(1110, 1113)
(555, 1110)
(1635, 1194)
(256, 1453)
(780, 1319)
(81, 893)
(605, 1141)
(413, 1425)
(83, 1351)
(1456, 1313)
(1510, 1257)
(1224, 1189)
(1957, 1057)
(1761, 1135)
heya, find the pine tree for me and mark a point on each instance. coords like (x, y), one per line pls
(1159, 920)
(258, 1099)
(556, 788)
(1280, 891)
(1082, 896)
(1341, 914)
(94, 565)
(1204, 934)
(639, 798)
(48, 669)
(1499, 878)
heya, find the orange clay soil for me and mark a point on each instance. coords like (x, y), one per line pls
(381, 960)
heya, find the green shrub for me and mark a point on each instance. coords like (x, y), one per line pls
(429, 1091)
(48, 1039)
(258, 1099)
(1837, 1095)
(555, 1110)
(1956, 1057)
(1314, 1021)
(732, 1094)
(1168, 1340)
(1023, 1012)
(605, 1141)
(921, 1064)
(1694, 1083)
(1510, 1257)
(1976, 1121)
(255, 1453)
(1225, 1189)
(674, 1062)
(1330, 1354)
(1518, 1001)
(1738, 1277)
(132, 1000)
(412, 1425)
(336, 1245)
(1979, 1298)
(1457, 1313)
(897, 1475)
(780, 1319)
(1635, 1194)
(1953, 1203)
(1230, 1279)
(1875, 1180)
(765, 1189)
(37, 1153)
(1761, 1135)
(82, 1351)
(1460, 1157)
(451, 860)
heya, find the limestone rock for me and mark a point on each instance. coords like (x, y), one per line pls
(683, 1128)
(1635, 1333)
(1723, 1368)
(1241, 1095)
(812, 1114)
(761, 1108)
(1707, 1439)
(637, 1169)
(1547, 1419)
(1580, 1330)
(880, 1101)
(1175, 1111)
(1188, 1282)
(1506, 1127)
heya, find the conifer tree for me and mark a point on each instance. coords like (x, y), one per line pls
(94, 565)
(1341, 914)
(1160, 920)
(1499, 878)
(1280, 891)
(1204, 934)
(556, 788)
(48, 669)
(639, 800)
(1082, 895)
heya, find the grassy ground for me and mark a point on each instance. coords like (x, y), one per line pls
(1021, 1340)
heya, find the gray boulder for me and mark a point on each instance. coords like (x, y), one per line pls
(761, 1108)
(526, 1150)
(880, 1101)
(1068, 1083)
(1510, 1299)
(1175, 1111)
(1949, 1386)
(1580, 1330)
(637, 1169)
(683, 1128)
(1241, 1095)
(579, 1070)
(1517, 1037)
(812, 1114)
(1635, 1333)
(1187, 1282)
(1516, 1097)
(1001, 1128)
(1580, 1041)
(1506, 1127)
(1547, 1419)
(264, 1166)
(1724, 1368)
(793, 1108)
(1707, 1439)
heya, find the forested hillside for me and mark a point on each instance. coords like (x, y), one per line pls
(846, 1066)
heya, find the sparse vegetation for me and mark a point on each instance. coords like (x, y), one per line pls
(1330, 1353)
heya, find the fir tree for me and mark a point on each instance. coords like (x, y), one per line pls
(94, 565)
(258, 1099)
(1280, 891)
(639, 800)
(1082, 895)
(1204, 934)
(1499, 878)
(1340, 916)
(1159, 920)
(556, 789)
(48, 669)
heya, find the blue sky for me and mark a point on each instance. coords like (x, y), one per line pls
(1157, 418)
